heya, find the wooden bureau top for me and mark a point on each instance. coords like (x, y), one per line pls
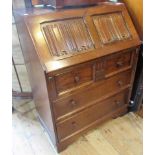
(63, 38)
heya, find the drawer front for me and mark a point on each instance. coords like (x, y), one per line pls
(90, 115)
(73, 78)
(91, 94)
(117, 62)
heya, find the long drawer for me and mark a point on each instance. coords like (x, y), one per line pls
(91, 94)
(90, 115)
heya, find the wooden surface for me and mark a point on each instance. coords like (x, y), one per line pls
(136, 11)
(87, 63)
(49, 62)
(121, 136)
(140, 110)
(83, 99)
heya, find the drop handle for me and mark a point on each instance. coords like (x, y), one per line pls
(120, 83)
(73, 102)
(77, 79)
(119, 64)
(118, 103)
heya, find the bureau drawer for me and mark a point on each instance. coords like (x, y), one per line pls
(91, 94)
(90, 115)
(117, 62)
(73, 78)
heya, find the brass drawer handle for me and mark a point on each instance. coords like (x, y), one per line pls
(120, 83)
(73, 103)
(119, 64)
(77, 79)
(118, 103)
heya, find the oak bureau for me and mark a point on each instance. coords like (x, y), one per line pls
(81, 64)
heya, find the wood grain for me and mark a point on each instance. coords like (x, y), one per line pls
(125, 144)
(101, 89)
(111, 27)
(29, 137)
(111, 138)
(136, 12)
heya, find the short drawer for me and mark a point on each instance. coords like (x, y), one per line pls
(90, 115)
(117, 62)
(90, 94)
(73, 78)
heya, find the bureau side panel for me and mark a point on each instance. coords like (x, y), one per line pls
(37, 77)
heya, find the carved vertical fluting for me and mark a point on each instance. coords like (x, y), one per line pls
(67, 37)
(111, 27)
(99, 70)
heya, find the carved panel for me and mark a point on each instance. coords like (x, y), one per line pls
(111, 27)
(99, 70)
(67, 37)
